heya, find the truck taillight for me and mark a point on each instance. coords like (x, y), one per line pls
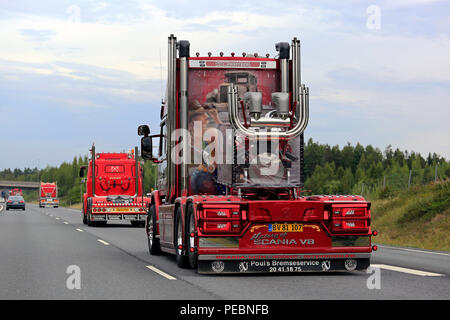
(221, 220)
(349, 212)
(219, 227)
(349, 219)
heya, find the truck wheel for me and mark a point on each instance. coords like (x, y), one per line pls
(84, 215)
(190, 241)
(90, 223)
(182, 260)
(153, 242)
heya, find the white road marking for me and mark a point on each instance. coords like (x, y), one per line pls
(414, 250)
(104, 242)
(1, 207)
(406, 270)
(162, 273)
(79, 230)
(65, 222)
(57, 218)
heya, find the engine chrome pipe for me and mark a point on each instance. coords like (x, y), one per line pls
(284, 67)
(290, 134)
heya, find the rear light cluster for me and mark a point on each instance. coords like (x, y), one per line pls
(349, 219)
(135, 209)
(221, 220)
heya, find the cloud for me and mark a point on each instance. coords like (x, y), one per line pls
(372, 86)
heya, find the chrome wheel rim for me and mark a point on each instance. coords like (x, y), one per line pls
(179, 237)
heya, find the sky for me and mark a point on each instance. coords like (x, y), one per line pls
(77, 72)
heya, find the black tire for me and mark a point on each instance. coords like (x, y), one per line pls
(90, 223)
(182, 259)
(83, 214)
(153, 242)
(190, 228)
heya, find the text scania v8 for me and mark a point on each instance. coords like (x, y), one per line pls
(228, 197)
(48, 194)
(114, 189)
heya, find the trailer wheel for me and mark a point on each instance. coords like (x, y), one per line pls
(182, 259)
(190, 241)
(153, 242)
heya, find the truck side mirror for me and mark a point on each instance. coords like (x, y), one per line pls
(82, 171)
(143, 130)
(147, 148)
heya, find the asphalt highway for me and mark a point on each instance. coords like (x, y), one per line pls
(41, 247)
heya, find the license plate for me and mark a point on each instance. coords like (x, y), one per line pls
(121, 209)
(285, 227)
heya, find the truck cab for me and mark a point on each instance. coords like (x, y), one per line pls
(114, 189)
(48, 195)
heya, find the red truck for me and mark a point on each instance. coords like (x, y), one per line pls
(230, 171)
(15, 192)
(48, 194)
(114, 189)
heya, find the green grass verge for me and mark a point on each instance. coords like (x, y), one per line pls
(419, 218)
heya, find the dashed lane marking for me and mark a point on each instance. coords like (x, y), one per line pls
(414, 250)
(79, 230)
(406, 270)
(104, 242)
(162, 273)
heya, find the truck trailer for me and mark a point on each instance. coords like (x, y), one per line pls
(229, 196)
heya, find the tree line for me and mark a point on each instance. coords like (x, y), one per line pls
(327, 170)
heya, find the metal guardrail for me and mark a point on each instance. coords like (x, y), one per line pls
(19, 184)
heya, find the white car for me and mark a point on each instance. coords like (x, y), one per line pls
(2, 200)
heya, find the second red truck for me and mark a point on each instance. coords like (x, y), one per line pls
(113, 189)
(48, 195)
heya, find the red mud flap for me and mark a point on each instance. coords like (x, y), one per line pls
(229, 264)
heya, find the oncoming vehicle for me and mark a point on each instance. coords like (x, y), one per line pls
(15, 202)
(230, 171)
(113, 189)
